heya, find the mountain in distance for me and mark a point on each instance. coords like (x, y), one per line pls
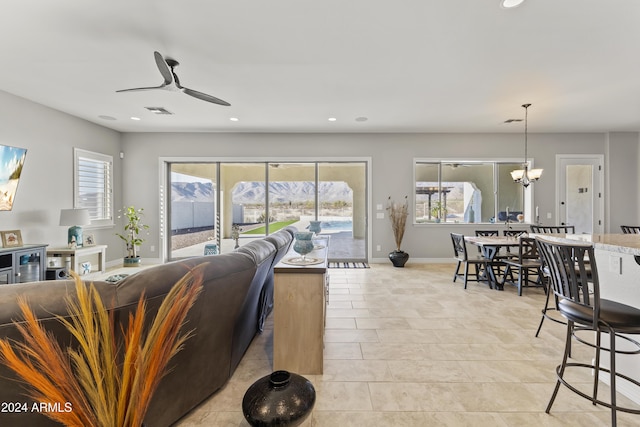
(254, 192)
(192, 191)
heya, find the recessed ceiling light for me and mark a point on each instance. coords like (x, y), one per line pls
(508, 4)
(135, 118)
(332, 119)
(233, 119)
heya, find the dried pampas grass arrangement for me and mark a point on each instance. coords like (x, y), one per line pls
(398, 213)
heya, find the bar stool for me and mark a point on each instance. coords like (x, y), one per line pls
(572, 270)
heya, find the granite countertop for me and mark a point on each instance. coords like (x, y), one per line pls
(621, 243)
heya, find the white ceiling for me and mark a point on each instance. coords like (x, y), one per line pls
(289, 65)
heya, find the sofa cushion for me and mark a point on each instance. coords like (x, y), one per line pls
(262, 253)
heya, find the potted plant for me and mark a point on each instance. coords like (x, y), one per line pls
(101, 380)
(131, 235)
(438, 211)
(398, 213)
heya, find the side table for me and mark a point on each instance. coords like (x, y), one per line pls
(299, 313)
(76, 253)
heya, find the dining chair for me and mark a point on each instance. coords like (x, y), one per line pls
(486, 233)
(527, 265)
(574, 280)
(496, 263)
(630, 229)
(553, 229)
(514, 233)
(460, 253)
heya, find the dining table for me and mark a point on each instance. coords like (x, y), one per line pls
(490, 247)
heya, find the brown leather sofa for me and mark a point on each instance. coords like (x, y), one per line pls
(225, 319)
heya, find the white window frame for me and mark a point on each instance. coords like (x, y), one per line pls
(527, 193)
(107, 217)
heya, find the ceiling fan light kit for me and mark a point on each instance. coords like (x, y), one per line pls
(525, 176)
(171, 81)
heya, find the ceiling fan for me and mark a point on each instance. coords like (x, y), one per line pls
(171, 81)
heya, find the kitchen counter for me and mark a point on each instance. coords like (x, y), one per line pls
(621, 243)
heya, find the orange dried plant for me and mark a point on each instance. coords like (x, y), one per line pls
(106, 384)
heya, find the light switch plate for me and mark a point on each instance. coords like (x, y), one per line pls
(380, 215)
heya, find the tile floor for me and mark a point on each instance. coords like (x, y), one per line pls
(407, 347)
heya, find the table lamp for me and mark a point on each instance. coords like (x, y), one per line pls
(76, 218)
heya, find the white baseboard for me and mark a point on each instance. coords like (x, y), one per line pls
(415, 260)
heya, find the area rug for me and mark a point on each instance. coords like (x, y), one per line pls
(348, 265)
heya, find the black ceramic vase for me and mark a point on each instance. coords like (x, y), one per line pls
(398, 258)
(279, 399)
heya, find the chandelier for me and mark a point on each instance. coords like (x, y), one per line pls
(525, 176)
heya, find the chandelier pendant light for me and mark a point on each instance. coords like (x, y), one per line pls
(525, 176)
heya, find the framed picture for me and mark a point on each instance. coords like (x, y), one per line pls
(89, 240)
(11, 238)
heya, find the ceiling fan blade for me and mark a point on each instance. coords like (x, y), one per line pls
(139, 89)
(204, 96)
(163, 68)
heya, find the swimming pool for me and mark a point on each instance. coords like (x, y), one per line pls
(337, 225)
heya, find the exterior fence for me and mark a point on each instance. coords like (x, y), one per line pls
(185, 215)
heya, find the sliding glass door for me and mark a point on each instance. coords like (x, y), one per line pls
(222, 205)
(343, 208)
(191, 208)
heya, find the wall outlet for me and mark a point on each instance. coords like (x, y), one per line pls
(549, 215)
(152, 248)
(380, 215)
(378, 248)
(379, 206)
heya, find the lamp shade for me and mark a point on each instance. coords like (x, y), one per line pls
(517, 175)
(75, 217)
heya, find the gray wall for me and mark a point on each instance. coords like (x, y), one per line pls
(46, 184)
(622, 179)
(47, 181)
(392, 167)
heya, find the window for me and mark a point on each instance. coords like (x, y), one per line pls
(93, 180)
(468, 192)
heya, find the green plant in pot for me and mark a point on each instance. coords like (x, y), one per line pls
(438, 211)
(398, 213)
(131, 235)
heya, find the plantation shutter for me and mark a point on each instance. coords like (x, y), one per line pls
(93, 185)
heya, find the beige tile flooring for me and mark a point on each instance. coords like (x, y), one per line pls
(407, 347)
